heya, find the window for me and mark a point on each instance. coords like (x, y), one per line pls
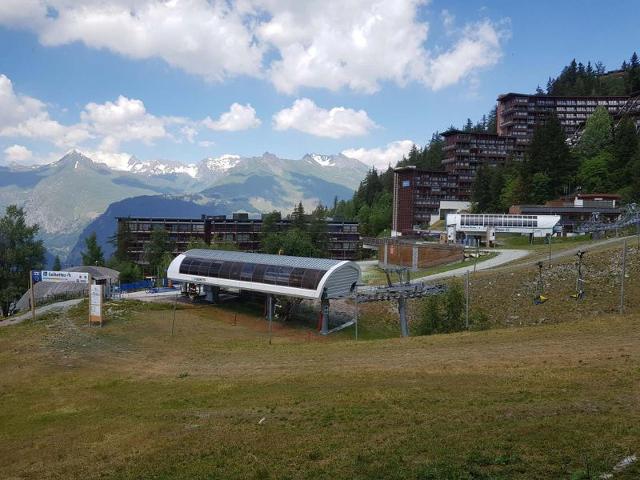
(247, 272)
(234, 272)
(258, 273)
(406, 183)
(271, 275)
(283, 275)
(295, 279)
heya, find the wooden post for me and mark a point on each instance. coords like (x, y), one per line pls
(32, 297)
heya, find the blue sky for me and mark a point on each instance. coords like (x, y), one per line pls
(367, 78)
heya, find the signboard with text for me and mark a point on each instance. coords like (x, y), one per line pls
(95, 304)
(53, 276)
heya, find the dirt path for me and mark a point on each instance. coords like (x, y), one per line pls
(39, 311)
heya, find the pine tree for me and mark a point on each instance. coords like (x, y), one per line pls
(56, 264)
(625, 146)
(155, 251)
(549, 154)
(597, 134)
(298, 220)
(492, 121)
(20, 252)
(93, 254)
(121, 241)
(481, 194)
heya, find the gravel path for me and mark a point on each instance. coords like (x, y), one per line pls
(504, 256)
(40, 310)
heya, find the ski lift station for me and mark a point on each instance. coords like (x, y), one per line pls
(487, 225)
(299, 277)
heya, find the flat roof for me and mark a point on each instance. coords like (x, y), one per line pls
(581, 97)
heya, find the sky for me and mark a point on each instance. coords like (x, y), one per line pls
(183, 80)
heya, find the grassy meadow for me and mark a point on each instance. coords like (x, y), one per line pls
(215, 400)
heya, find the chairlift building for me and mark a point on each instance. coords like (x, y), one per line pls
(299, 277)
(478, 225)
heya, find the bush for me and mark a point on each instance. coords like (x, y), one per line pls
(479, 321)
(431, 317)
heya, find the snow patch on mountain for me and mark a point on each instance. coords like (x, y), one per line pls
(159, 167)
(324, 160)
(221, 164)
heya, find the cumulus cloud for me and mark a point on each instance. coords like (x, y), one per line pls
(24, 116)
(336, 43)
(115, 160)
(109, 123)
(201, 37)
(478, 47)
(306, 116)
(332, 44)
(125, 119)
(17, 154)
(239, 117)
(381, 158)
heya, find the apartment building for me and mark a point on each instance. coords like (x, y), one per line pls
(416, 197)
(518, 114)
(246, 233)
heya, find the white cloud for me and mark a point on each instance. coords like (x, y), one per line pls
(306, 116)
(115, 160)
(24, 116)
(206, 143)
(189, 133)
(125, 120)
(448, 20)
(205, 38)
(332, 44)
(478, 47)
(239, 117)
(336, 43)
(381, 158)
(17, 154)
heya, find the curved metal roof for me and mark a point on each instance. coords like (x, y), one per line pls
(264, 258)
(276, 274)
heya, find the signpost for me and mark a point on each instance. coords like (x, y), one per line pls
(95, 304)
(36, 276)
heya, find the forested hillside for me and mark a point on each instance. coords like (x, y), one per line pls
(580, 80)
(607, 159)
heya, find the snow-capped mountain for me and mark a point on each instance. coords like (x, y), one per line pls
(65, 196)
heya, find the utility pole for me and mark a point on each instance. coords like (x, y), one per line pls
(270, 313)
(550, 249)
(475, 264)
(467, 301)
(356, 313)
(622, 275)
(32, 297)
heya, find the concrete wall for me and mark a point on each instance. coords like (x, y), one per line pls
(418, 256)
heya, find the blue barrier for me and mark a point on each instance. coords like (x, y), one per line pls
(141, 285)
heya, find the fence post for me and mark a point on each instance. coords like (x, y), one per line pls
(622, 275)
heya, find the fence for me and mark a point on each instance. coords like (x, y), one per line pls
(141, 285)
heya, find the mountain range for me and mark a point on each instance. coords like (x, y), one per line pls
(70, 196)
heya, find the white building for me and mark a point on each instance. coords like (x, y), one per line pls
(487, 225)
